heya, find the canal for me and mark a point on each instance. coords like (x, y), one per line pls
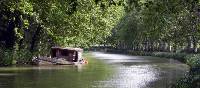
(103, 71)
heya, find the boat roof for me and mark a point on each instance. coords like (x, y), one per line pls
(68, 48)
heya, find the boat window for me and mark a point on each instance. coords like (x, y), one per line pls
(65, 52)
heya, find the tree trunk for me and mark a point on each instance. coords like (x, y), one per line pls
(175, 48)
(169, 47)
(166, 45)
(160, 46)
(195, 48)
(35, 38)
(190, 45)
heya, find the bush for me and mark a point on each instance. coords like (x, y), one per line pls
(193, 60)
(9, 57)
(6, 57)
(191, 80)
(23, 56)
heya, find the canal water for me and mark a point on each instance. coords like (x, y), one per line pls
(103, 71)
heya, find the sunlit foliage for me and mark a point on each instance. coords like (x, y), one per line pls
(36, 25)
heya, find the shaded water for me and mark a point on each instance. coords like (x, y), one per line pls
(106, 71)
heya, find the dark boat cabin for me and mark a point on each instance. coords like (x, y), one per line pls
(69, 54)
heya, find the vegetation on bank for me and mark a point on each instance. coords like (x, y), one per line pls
(170, 28)
(193, 60)
(30, 27)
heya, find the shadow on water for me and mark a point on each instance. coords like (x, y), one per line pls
(106, 71)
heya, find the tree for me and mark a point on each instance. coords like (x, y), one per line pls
(34, 26)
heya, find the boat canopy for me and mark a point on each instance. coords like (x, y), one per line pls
(69, 48)
(69, 54)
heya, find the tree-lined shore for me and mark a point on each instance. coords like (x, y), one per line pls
(159, 25)
(164, 28)
(31, 27)
(169, 28)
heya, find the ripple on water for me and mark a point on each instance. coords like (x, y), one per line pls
(140, 71)
(129, 77)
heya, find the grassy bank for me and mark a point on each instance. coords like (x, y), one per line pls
(192, 78)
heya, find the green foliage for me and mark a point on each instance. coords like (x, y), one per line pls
(188, 82)
(7, 57)
(150, 22)
(77, 23)
(193, 60)
(178, 56)
(190, 59)
(10, 57)
(30, 27)
(23, 56)
(168, 28)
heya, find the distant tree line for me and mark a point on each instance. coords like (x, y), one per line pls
(158, 25)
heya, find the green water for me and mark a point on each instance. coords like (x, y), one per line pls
(54, 76)
(103, 71)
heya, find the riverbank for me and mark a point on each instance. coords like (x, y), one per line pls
(192, 78)
(193, 60)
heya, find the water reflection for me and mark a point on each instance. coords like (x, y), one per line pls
(130, 77)
(141, 71)
(107, 71)
(53, 76)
